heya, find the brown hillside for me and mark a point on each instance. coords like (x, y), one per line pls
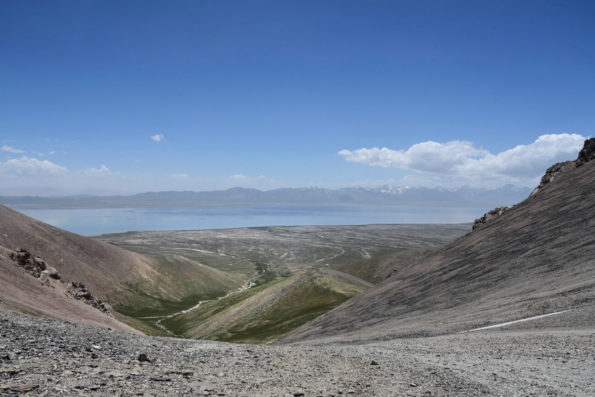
(536, 257)
(23, 293)
(101, 266)
(130, 282)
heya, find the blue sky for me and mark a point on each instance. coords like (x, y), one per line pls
(288, 93)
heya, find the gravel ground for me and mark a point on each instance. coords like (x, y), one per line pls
(50, 358)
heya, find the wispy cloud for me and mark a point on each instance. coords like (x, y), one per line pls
(27, 167)
(10, 149)
(461, 162)
(259, 181)
(158, 137)
(102, 170)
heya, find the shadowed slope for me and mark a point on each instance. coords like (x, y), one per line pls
(536, 257)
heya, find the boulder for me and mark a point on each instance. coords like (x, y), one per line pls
(587, 153)
(52, 272)
(40, 263)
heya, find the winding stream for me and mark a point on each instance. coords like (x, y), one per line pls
(160, 319)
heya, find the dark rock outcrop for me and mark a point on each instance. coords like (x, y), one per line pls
(554, 172)
(79, 292)
(38, 268)
(490, 215)
(586, 154)
(32, 265)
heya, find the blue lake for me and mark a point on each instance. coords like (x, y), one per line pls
(92, 222)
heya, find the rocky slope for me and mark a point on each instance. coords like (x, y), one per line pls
(534, 258)
(50, 358)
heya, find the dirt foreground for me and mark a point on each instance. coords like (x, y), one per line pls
(49, 357)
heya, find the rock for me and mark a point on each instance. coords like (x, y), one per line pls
(9, 356)
(44, 278)
(21, 256)
(587, 153)
(40, 263)
(490, 215)
(143, 358)
(19, 388)
(94, 356)
(553, 173)
(374, 362)
(298, 394)
(53, 273)
(160, 379)
(80, 292)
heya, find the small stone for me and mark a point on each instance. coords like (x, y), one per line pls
(94, 356)
(374, 362)
(160, 379)
(412, 384)
(21, 388)
(298, 394)
(143, 358)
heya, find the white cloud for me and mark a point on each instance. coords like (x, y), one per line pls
(180, 176)
(102, 170)
(10, 149)
(26, 167)
(158, 137)
(460, 162)
(238, 177)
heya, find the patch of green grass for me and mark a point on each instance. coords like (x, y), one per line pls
(265, 275)
(299, 306)
(181, 324)
(243, 318)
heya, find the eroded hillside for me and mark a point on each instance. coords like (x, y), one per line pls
(534, 258)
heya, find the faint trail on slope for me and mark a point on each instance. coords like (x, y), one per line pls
(516, 321)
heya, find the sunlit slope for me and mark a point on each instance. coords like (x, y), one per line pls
(131, 282)
(262, 314)
(537, 257)
(182, 283)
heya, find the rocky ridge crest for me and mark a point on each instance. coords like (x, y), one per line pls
(554, 172)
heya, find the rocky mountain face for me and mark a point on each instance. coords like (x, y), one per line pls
(555, 171)
(534, 258)
(586, 154)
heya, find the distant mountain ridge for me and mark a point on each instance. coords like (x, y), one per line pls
(385, 195)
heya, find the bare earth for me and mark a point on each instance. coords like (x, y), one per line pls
(52, 358)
